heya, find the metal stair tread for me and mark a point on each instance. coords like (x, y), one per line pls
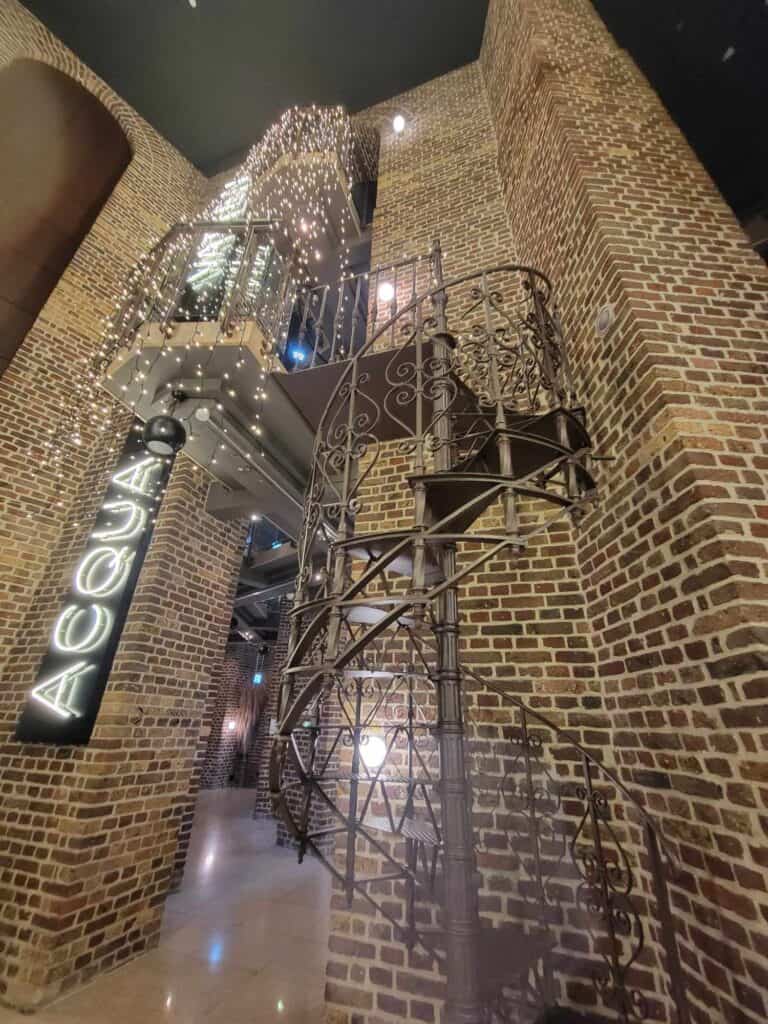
(535, 444)
(411, 828)
(311, 389)
(445, 501)
(374, 546)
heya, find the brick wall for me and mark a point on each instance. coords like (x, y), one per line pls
(90, 835)
(643, 634)
(523, 618)
(234, 676)
(604, 194)
(439, 179)
(262, 745)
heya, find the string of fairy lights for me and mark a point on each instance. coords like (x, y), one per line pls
(289, 183)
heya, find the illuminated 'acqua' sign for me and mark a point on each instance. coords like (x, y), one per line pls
(62, 706)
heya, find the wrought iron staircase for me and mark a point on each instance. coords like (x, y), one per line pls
(448, 435)
(383, 766)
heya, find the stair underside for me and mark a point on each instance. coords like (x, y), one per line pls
(310, 390)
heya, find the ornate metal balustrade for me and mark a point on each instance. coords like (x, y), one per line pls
(462, 406)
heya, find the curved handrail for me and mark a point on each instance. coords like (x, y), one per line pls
(415, 303)
(351, 370)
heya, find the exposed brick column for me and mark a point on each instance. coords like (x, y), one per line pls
(88, 835)
(107, 820)
(263, 743)
(235, 675)
(605, 195)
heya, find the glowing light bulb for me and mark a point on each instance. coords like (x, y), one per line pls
(386, 292)
(373, 750)
(398, 124)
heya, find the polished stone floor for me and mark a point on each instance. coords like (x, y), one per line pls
(243, 942)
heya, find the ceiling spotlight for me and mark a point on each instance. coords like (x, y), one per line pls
(193, 3)
(386, 292)
(398, 124)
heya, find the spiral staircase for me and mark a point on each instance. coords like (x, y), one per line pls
(457, 416)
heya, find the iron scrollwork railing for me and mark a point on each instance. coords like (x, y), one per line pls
(463, 404)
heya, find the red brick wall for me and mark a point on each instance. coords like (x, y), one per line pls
(521, 618)
(234, 676)
(89, 835)
(645, 633)
(604, 194)
(263, 744)
(439, 179)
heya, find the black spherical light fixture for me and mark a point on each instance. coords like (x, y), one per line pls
(164, 435)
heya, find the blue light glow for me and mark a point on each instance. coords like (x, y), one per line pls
(298, 353)
(215, 951)
(258, 678)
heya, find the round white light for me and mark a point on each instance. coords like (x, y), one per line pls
(203, 414)
(386, 292)
(231, 726)
(398, 124)
(373, 750)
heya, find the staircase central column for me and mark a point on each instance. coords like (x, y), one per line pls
(461, 917)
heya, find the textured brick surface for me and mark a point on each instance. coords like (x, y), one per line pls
(605, 195)
(644, 634)
(262, 744)
(88, 836)
(234, 677)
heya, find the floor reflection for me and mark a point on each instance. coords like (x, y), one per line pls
(243, 942)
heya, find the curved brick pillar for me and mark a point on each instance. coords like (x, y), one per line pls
(605, 195)
(88, 835)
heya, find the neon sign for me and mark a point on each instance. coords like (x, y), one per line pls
(62, 706)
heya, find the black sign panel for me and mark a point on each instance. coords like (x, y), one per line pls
(62, 706)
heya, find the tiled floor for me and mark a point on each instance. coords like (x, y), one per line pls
(243, 942)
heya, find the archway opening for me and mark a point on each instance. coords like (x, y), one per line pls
(63, 154)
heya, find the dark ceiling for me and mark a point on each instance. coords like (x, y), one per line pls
(214, 78)
(708, 60)
(211, 79)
